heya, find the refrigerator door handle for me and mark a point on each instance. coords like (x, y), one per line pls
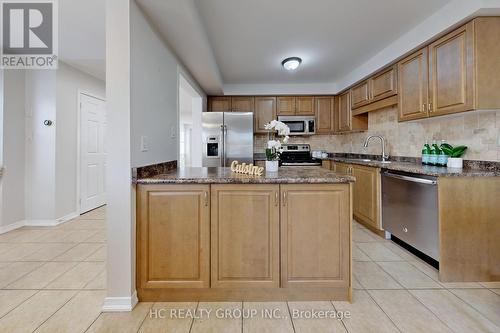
(224, 132)
(222, 146)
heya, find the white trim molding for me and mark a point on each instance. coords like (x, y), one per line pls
(38, 223)
(120, 304)
(12, 226)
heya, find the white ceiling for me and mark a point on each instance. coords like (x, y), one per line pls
(82, 35)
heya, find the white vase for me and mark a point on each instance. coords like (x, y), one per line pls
(272, 166)
(455, 162)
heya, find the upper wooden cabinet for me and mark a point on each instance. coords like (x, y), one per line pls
(242, 104)
(344, 121)
(384, 84)
(314, 241)
(295, 105)
(173, 236)
(413, 86)
(324, 114)
(245, 236)
(219, 104)
(360, 94)
(456, 73)
(265, 111)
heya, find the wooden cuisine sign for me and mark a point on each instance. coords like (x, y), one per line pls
(247, 169)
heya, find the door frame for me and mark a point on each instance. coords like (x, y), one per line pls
(81, 92)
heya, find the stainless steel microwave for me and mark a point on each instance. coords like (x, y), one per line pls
(299, 125)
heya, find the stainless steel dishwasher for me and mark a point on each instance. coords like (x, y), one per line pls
(410, 210)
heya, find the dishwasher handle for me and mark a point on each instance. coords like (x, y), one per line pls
(411, 179)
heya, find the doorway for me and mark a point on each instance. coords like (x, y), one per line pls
(92, 152)
(190, 108)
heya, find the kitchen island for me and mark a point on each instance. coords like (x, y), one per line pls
(207, 234)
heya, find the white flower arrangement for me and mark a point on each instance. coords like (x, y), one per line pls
(274, 147)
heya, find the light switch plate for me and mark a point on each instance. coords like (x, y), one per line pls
(144, 143)
(172, 132)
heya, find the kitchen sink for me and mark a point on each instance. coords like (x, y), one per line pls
(354, 160)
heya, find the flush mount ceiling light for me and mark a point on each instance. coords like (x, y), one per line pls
(291, 64)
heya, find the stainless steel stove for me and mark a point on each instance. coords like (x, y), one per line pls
(298, 155)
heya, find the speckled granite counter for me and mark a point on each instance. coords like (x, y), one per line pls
(415, 167)
(286, 175)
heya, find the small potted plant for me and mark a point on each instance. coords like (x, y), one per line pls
(274, 146)
(455, 154)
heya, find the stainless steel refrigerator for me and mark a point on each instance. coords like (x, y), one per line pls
(227, 136)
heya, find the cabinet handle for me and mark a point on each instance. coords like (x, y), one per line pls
(205, 198)
(276, 198)
(284, 199)
(429, 106)
(422, 108)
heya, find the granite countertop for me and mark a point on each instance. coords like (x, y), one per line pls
(482, 169)
(285, 175)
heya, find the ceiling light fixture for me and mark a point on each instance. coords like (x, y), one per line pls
(291, 64)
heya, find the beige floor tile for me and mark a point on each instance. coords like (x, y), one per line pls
(99, 282)
(76, 315)
(13, 271)
(363, 235)
(490, 285)
(48, 252)
(408, 275)
(483, 300)
(9, 299)
(20, 251)
(371, 276)
(77, 236)
(99, 255)
(303, 322)
(356, 284)
(33, 312)
(4, 247)
(55, 236)
(219, 319)
(96, 214)
(427, 269)
(359, 255)
(122, 322)
(42, 276)
(26, 235)
(98, 237)
(85, 225)
(454, 312)
(365, 315)
(261, 323)
(378, 252)
(166, 318)
(403, 253)
(460, 285)
(79, 252)
(8, 236)
(407, 312)
(496, 291)
(78, 276)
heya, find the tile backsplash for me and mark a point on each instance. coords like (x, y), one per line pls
(479, 130)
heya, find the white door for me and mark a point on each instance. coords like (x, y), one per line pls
(93, 153)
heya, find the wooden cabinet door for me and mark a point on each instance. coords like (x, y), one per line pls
(265, 111)
(173, 239)
(384, 84)
(245, 236)
(315, 235)
(242, 104)
(304, 106)
(324, 115)
(344, 112)
(366, 195)
(285, 105)
(451, 72)
(342, 168)
(413, 86)
(360, 95)
(219, 104)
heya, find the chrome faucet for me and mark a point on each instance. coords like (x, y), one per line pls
(382, 141)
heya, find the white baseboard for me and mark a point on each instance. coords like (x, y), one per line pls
(120, 304)
(68, 217)
(12, 226)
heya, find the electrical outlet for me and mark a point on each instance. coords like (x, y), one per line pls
(144, 143)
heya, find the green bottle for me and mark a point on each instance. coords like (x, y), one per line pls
(426, 153)
(433, 154)
(443, 157)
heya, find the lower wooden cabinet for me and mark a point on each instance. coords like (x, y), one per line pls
(245, 236)
(367, 195)
(173, 236)
(315, 240)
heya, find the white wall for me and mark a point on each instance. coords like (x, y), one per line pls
(154, 93)
(69, 82)
(13, 149)
(40, 145)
